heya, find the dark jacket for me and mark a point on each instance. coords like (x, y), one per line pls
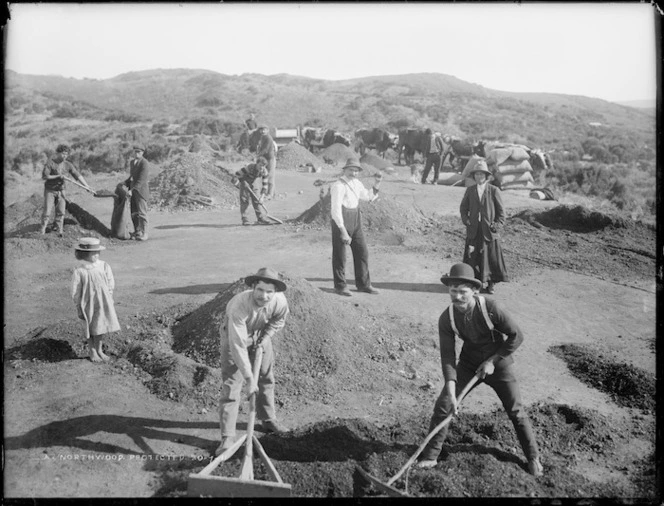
(491, 208)
(139, 175)
(479, 343)
(266, 147)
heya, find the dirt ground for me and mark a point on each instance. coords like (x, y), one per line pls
(356, 377)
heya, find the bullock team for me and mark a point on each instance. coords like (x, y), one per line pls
(407, 143)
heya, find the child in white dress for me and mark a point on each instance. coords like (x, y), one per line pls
(92, 290)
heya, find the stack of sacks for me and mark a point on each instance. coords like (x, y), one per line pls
(510, 166)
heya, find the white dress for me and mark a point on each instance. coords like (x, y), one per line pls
(92, 290)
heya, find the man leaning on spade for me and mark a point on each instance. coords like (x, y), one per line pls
(485, 352)
(54, 172)
(252, 319)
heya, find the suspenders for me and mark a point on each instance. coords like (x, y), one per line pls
(485, 313)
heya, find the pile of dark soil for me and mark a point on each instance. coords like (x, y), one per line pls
(481, 458)
(573, 218)
(318, 353)
(383, 214)
(293, 156)
(192, 182)
(627, 385)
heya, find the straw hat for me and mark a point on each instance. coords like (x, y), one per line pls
(89, 244)
(269, 276)
(461, 273)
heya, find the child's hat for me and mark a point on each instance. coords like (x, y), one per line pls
(89, 244)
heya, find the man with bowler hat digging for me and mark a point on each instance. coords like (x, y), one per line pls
(53, 174)
(253, 317)
(139, 193)
(346, 222)
(490, 336)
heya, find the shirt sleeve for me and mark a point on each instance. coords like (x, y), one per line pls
(504, 323)
(363, 193)
(46, 171)
(237, 336)
(278, 318)
(72, 170)
(337, 195)
(447, 346)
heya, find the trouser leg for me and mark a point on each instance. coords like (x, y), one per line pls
(338, 258)
(229, 397)
(506, 386)
(265, 409)
(60, 208)
(428, 163)
(436, 167)
(271, 173)
(258, 208)
(244, 204)
(442, 408)
(49, 204)
(139, 214)
(360, 251)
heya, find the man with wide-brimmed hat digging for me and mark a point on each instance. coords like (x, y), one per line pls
(139, 192)
(53, 174)
(252, 319)
(490, 336)
(346, 222)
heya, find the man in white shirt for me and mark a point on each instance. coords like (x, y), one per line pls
(253, 317)
(346, 194)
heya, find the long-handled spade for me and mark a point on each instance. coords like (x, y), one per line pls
(202, 484)
(82, 186)
(387, 486)
(248, 188)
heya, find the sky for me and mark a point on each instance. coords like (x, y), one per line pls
(602, 50)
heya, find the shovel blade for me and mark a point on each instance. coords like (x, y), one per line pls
(383, 487)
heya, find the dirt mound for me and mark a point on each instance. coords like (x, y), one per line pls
(191, 182)
(625, 384)
(318, 353)
(376, 162)
(573, 218)
(337, 154)
(292, 156)
(383, 214)
(200, 144)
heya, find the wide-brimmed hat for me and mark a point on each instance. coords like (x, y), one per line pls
(480, 166)
(352, 162)
(89, 244)
(269, 276)
(461, 273)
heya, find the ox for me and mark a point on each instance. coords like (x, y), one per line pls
(249, 140)
(375, 138)
(311, 137)
(461, 151)
(411, 141)
(334, 137)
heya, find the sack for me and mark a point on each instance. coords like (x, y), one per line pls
(516, 178)
(519, 168)
(121, 214)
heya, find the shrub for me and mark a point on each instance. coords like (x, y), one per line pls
(65, 112)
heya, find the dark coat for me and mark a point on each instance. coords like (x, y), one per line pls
(139, 175)
(491, 207)
(438, 144)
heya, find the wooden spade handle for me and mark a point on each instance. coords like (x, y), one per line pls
(247, 472)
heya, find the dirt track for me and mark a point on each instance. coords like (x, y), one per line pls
(61, 410)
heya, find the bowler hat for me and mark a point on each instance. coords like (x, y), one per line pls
(461, 273)
(269, 276)
(352, 162)
(480, 166)
(89, 244)
(138, 147)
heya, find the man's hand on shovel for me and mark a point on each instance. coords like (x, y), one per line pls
(485, 369)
